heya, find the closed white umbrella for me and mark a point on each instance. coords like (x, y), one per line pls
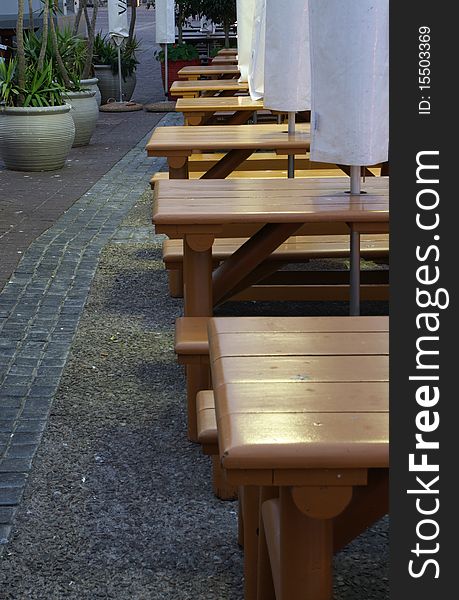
(287, 69)
(257, 59)
(350, 81)
(165, 30)
(118, 30)
(350, 92)
(245, 12)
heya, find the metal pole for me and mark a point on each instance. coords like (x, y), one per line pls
(355, 180)
(120, 76)
(354, 292)
(291, 157)
(166, 69)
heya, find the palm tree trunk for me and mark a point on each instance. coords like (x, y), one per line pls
(31, 21)
(79, 14)
(20, 51)
(44, 36)
(60, 63)
(91, 35)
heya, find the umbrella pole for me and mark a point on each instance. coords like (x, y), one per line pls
(166, 69)
(355, 252)
(120, 77)
(291, 157)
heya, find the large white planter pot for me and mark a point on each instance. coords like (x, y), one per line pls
(91, 84)
(36, 139)
(109, 84)
(85, 112)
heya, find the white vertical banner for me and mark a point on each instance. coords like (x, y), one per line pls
(257, 59)
(165, 21)
(350, 81)
(118, 28)
(245, 13)
(287, 70)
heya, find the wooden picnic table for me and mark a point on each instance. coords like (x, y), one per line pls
(225, 60)
(237, 141)
(303, 423)
(227, 52)
(201, 111)
(198, 211)
(208, 87)
(193, 73)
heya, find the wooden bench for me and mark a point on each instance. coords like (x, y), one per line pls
(302, 421)
(297, 249)
(207, 437)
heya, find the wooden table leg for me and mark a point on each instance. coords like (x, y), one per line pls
(197, 275)
(250, 500)
(240, 117)
(251, 254)
(265, 584)
(306, 541)
(227, 164)
(178, 167)
(354, 290)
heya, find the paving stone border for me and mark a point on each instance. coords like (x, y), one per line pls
(40, 308)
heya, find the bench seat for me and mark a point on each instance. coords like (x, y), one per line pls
(297, 249)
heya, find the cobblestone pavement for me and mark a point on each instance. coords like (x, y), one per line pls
(40, 308)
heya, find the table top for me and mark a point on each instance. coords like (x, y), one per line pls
(301, 392)
(227, 51)
(209, 70)
(185, 204)
(228, 137)
(218, 104)
(208, 85)
(225, 60)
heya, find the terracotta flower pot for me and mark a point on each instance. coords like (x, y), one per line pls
(174, 67)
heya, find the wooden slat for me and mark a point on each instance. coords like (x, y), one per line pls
(284, 369)
(297, 344)
(302, 397)
(208, 85)
(304, 440)
(303, 325)
(209, 70)
(218, 104)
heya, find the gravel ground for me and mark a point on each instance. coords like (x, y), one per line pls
(118, 504)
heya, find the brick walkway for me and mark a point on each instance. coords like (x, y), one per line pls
(32, 202)
(39, 312)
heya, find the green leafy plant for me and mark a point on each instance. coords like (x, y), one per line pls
(105, 53)
(178, 52)
(40, 88)
(9, 90)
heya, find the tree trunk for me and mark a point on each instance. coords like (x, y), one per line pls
(180, 22)
(60, 63)
(79, 14)
(133, 19)
(227, 27)
(20, 51)
(31, 21)
(44, 36)
(87, 71)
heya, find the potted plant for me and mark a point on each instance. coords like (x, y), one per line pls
(36, 128)
(68, 54)
(179, 56)
(106, 67)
